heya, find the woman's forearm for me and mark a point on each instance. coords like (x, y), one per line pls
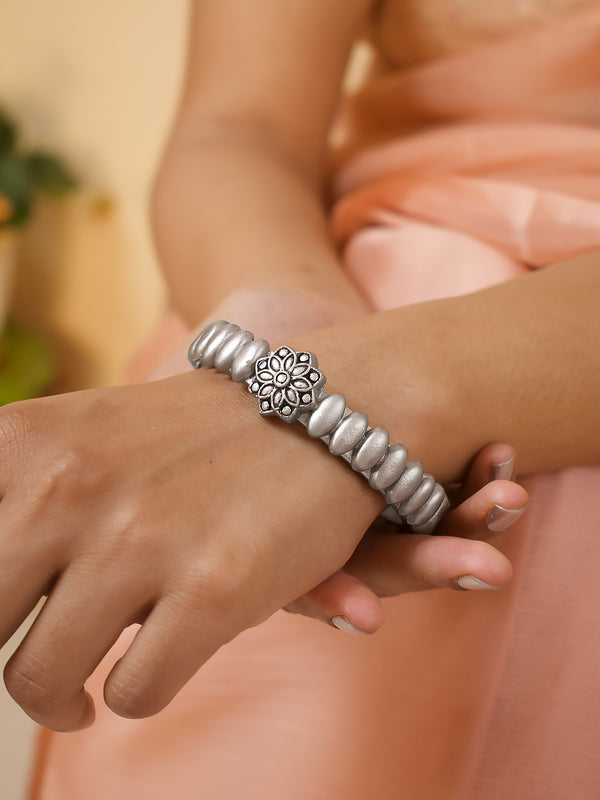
(237, 203)
(230, 215)
(518, 362)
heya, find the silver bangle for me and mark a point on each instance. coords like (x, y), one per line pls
(290, 385)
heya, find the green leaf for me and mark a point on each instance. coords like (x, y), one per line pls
(14, 178)
(8, 133)
(27, 367)
(49, 173)
(14, 184)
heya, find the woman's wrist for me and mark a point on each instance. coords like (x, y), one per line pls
(515, 363)
(389, 367)
(273, 314)
(290, 385)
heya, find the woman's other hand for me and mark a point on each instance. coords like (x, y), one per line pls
(387, 563)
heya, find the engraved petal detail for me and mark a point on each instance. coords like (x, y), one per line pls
(266, 390)
(277, 398)
(289, 362)
(291, 395)
(302, 384)
(300, 369)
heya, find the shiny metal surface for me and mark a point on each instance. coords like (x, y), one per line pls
(289, 384)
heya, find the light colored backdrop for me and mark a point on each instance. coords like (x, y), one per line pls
(98, 82)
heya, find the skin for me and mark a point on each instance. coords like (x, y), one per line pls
(171, 503)
(413, 31)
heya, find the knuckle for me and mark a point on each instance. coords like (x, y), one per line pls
(67, 473)
(218, 595)
(214, 591)
(132, 536)
(125, 695)
(27, 682)
(201, 605)
(65, 468)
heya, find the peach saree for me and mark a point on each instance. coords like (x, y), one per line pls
(491, 167)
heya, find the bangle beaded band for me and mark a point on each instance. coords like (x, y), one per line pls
(289, 384)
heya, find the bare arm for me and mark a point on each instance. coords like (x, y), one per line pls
(238, 203)
(518, 362)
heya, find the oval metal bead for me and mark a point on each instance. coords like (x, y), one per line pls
(431, 524)
(197, 346)
(428, 509)
(243, 363)
(390, 469)
(216, 342)
(348, 433)
(326, 415)
(229, 350)
(371, 450)
(406, 483)
(420, 496)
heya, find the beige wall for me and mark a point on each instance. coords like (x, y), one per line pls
(97, 82)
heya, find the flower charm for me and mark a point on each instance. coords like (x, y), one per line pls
(286, 383)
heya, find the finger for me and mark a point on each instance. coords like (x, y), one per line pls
(494, 462)
(30, 567)
(184, 629)
(342, 601)
(491, 510)
(80, 621)
(392, 564)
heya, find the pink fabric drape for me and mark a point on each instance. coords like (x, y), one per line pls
(459, 696)
(453, 210)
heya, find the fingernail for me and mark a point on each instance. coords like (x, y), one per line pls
(470, 582)
(344, 624)
(500, 519)
(504, 471)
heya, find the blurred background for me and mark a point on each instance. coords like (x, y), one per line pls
(87, 92)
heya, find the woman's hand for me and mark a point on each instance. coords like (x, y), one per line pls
(459, 556)
(386, 563)
(172, 504)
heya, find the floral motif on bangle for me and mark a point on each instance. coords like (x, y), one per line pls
(287, 383)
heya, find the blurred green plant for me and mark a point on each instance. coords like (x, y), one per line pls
(26, 173)
(27, 365)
